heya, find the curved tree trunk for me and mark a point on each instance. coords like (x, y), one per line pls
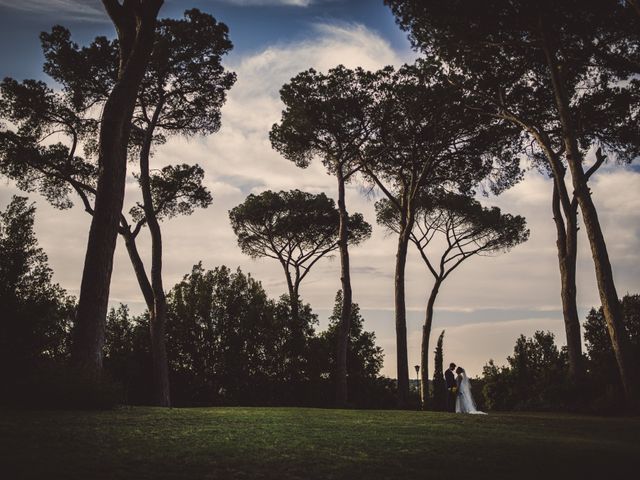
(606, 287)
(424, 350)
(161, 394)
(406, 225)
(138, 268)
(158, 315)
(604, 275)
(136, 27)
(345, 316)
(567, 237)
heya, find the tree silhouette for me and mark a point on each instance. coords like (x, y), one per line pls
(422, 138)
(135, 25)
(36, 313)
(602, 361)
(466, 228)
(365, 357)
(181, 94)
(564, 74)
(323, 117)
(297, 229)
(229, 343)
(439, 385)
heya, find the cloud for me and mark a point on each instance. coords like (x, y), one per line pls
(91, 11)
(238, 160)
(289, 3)
(283, 3)
(483, 306)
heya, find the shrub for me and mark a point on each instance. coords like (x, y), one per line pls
(58, 386)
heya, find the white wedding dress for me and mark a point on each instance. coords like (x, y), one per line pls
(464, 400)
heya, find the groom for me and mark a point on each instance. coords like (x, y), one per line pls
(450, 379)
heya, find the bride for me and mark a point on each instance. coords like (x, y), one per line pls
(464, 400)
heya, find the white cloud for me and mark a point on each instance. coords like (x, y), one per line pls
(284, 3)
(239, 160)
(291, 3)
(67, 9)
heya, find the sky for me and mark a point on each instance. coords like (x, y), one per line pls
(483, 307)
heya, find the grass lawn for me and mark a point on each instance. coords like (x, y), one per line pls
(291, 443)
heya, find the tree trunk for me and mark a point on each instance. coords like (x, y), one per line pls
(345, 316)
(567, 237)
(406, 225)
(136, 27)
(297, 340)
(158, 315)
(424, 351)
(604, 274)
(294, 303)
(157, 327)
(138, 268)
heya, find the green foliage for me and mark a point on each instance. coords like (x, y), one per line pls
(227, 341)
(467, 228)
(439, 385)
(186, 75)
(497, 53)
(35, 326)
(184, 80)
(602, 366)
(57, 385)
(37, 113)
(176, 190)
(422, 137)
(536, 377)
(364, 357)
(364, 362)
(294, 226)
(229, 344)
(36, 313)
(182, 93)
(127, 355)
(325, 115)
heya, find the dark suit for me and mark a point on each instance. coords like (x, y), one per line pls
(450, 379)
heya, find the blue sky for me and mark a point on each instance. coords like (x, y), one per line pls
(483, 306)
(252, 23)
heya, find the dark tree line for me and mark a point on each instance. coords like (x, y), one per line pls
(563, 76)
(554, 82)
(36, 313)
(228, 343)
(409, 136)
(181, 93)
(537, 375)
(297, 229)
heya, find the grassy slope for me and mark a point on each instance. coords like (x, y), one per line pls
(147, 443)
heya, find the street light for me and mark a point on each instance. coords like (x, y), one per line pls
(417, 367)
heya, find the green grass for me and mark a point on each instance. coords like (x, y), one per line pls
(289, 443)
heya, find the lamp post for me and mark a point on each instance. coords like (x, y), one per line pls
(417, 367)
